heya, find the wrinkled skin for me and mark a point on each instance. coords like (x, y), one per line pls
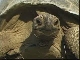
(49, 34)
(46, 26)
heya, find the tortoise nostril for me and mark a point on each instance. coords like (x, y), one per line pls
(56, 22)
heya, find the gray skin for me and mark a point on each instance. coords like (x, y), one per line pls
(46, 24)
(49, 34)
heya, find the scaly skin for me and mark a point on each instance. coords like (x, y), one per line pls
(12, 36)
(72, 40)
(49, 34)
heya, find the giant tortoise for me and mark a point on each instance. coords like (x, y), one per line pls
(39, 29)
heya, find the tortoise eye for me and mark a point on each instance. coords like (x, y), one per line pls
(38, 22)
(41, 16)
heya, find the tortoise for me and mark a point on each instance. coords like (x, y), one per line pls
(17, 28)
(47, 26)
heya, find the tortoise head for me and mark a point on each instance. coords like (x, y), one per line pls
(46, 24)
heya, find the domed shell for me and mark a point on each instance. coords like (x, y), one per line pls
(71, 6)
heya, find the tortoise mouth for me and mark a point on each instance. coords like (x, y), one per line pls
(45, 32)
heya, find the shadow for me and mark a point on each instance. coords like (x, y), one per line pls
(31, 49)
